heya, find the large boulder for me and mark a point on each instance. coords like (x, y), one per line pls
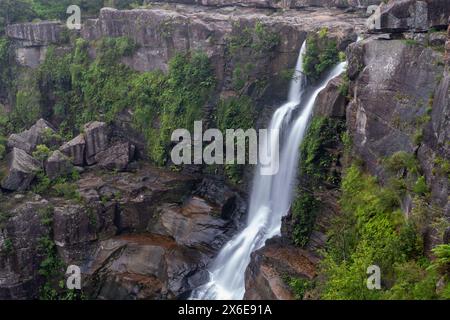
(142, 267)
(21, 170)
(194, 224)
(265, 276)
(96, 135)
(75, 149)
(29, 139)
(116, 157)
(410, 15)
(58, 165)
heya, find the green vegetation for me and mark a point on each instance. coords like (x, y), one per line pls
(235, 113)
(257, 38)
(323, 135)
(316, 168)
(321, 54)
(80, 90)
(299, 286)
(41, 153)
(176, 100)
(304, 210)
(373, 231)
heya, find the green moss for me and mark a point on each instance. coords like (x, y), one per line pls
(323, 134)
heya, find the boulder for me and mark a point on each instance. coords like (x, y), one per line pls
(74, 149)
(142, 267)
(195, 224)
(116, 157)
(96, 136)
(58, 165)
(264, 277)
(410, 15)
(29, 139)
(21, 170)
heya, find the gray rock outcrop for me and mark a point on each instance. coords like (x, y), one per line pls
(116, 157)
(29, 139)
(58, 165)
(21, 170)
(75, 149)
(96, 137)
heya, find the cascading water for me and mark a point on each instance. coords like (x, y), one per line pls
(271, 196)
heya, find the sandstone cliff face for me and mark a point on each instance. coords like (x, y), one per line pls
(283, 4)
(390, 95)
(32, 40)
(161, 33)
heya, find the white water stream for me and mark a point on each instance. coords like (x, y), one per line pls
(271, 196)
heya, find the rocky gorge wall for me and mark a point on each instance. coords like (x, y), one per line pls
(397, 104)
(145, 233)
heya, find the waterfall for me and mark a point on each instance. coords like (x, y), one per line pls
(271, 196)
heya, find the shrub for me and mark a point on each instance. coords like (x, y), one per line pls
(235, 113)
(372, 230)
(41, 153)
(299, 286)
(316, 159)
(67, 190)
(304, 211)
(420, 187)
(321, 54)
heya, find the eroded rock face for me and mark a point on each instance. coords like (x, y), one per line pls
(162, 32)
(74, 149)
(143, 267)
(413, 15)
(330, 101)
(32, 40)
(21, 170)
(116, 157)
(135, 235)
(96, 136)
(264, 277)
(274, 4)
(392, 90)
(36, 34)
(58, 165)
(29, 139)
(20, 255)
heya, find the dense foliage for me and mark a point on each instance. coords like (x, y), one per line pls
(373, 231)
(79, 90)
(235, 113)
(321, 54)
(316, 168)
